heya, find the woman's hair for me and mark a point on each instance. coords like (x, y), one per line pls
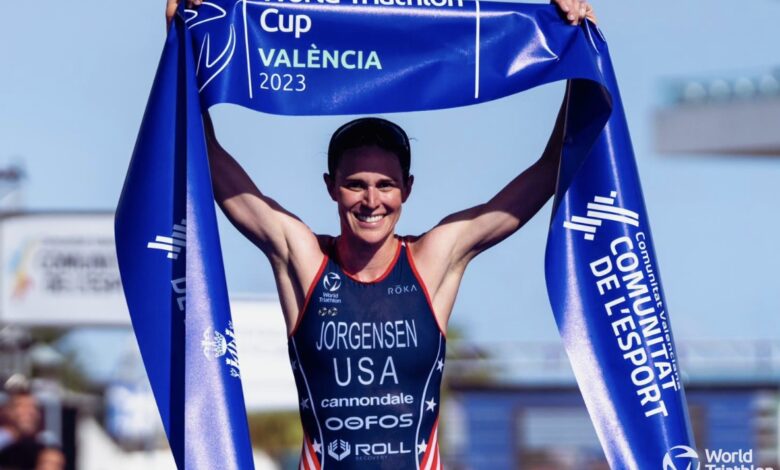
(367, 132)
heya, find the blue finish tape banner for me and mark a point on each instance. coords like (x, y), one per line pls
(305, 57)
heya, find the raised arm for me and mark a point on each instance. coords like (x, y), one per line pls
(476, 229)
(291, 247)
(261, 219)
(460, 237)
(277, 232)
(443, 252)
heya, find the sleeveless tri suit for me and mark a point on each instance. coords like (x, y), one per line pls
(368, 361)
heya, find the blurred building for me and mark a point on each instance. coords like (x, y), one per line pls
(530, 414)
(64, 323)
(732, 114)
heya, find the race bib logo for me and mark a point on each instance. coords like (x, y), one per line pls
(400, 289)
(331, 282)
(681, 458)
(601, 209)
(339, 450)
(328, 311)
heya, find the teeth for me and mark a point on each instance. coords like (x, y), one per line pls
(369, 218)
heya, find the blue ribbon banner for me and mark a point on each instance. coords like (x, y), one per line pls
(306, 57)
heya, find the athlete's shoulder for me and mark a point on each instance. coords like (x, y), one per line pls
(306, 260)
(432, 255)
(325, 242)
(430, 243)
(323, 251)
(426, 254)
(411, 240)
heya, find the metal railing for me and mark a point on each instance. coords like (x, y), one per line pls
(726, 361)
(722, 88)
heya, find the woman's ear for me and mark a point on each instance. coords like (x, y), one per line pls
(407, 188)
(330, 185)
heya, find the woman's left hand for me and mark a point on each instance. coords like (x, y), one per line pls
(575, 11)
(172, 5)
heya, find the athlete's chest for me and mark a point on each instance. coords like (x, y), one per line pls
(368, 334)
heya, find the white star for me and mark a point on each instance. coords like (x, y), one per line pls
(440, 365)
(305, 403)
(317, 447)
(430, 405)
(421, 447)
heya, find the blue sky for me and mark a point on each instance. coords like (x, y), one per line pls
(75, 77)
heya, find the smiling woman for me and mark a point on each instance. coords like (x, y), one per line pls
(369, 278)
(369, 189)
(368, 164)
(375, 283)
(369, 179)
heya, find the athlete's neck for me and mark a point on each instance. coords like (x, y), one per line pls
(366, 262)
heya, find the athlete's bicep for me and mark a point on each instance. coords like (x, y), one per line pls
(295, 275)
(474, 230)
(480, 227)
(260, 218)
(453, 238)
(266, 223)
(438, 268)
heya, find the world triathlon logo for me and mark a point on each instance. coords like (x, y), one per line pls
(339, 450)
(601, 209)
(331, 282)
(681, 458)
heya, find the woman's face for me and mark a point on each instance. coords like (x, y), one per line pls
(369, 188)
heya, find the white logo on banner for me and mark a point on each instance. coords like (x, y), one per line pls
(213, 344)
(602, 208)
(174, 244)
(685, 458)
(339, 450)
(216, 345)
(209, 68)
(201, 14)
(681, 458)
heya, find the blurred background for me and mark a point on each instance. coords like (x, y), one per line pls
(700, 82)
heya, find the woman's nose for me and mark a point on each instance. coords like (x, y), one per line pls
(371, 197)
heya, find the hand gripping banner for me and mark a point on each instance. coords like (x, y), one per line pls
(317, 57)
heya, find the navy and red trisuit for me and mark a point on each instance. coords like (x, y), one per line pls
(368, 361)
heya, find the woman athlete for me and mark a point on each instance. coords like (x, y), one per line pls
(367, 311)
